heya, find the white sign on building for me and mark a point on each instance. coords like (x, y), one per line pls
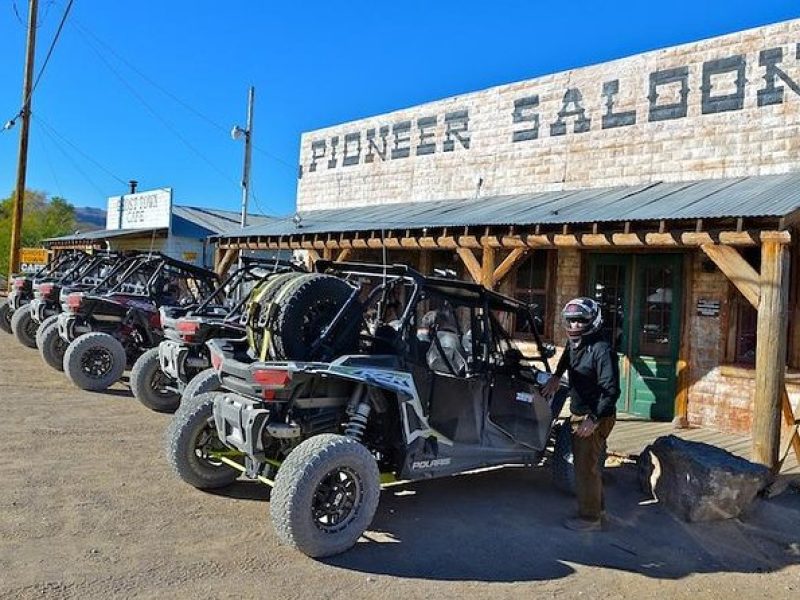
(142, 210)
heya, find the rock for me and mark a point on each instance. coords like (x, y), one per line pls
(699, 482)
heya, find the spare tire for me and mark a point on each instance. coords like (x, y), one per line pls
(306, 307)
(258, 304)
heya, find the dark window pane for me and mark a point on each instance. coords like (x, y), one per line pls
(654, 336)
(609, 292)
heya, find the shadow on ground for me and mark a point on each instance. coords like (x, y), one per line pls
(506, 526)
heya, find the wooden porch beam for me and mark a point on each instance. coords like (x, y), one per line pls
(514, 258)
(471, 263)
(736, 269)
(224, 265)
(344, 255)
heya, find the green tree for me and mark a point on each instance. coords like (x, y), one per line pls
(42, 218)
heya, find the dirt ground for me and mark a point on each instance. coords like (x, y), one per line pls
(89, 509)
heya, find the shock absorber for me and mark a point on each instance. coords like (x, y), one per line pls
(358, 421)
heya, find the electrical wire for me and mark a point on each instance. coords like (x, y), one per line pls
(49, 162)
(86, 32)
(167, 125)
(27, 101)
(72, 160)
(52, 130)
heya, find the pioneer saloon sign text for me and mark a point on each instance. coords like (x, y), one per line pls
(719, 86)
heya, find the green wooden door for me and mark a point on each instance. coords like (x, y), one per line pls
(655, 335)
(641, 297)
(610, 277)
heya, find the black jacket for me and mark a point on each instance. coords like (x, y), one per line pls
(593, 369)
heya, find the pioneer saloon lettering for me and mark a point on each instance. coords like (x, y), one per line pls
(719, 87)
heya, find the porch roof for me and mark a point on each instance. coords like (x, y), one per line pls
(765, 196)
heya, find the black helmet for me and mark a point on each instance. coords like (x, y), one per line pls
(581, 317)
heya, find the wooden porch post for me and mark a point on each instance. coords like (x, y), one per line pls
(426, 262)
(487, 267)
(770, 350)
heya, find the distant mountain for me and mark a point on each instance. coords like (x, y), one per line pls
(89, 218)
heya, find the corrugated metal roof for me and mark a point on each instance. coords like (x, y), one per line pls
(211, 219)
(102, 234)
(761, 196)
(217, 221)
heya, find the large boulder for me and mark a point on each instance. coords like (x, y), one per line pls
(699, 482)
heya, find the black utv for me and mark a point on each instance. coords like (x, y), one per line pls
(108, 331)
(105, 273)
(22, 285)
(26, 320)
(180, 366)
(360, 375)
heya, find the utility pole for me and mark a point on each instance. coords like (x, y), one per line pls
(248, 143)
(22, 162)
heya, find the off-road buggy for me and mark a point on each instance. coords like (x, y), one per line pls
(103, 275)
(22, 285)
(108, 331)
(86, 273)
(359, 375)
(180, 366)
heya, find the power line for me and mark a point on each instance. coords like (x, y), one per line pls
(86, 32)
(171, 128)
(42, 145)
(27, 101)
(78, 150)
(72, 160)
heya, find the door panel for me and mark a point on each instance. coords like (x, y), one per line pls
(657, 293)
(609, 285)
(641, 298)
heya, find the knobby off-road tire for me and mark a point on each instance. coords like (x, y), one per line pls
(190, 432)
(327, 474)
(95, 361)
(24, 327)
(264, 295)
(562, 466)
(5, 316)
(204, 382)
(42, 325)
(148, 384)
(52, 346)
(306, 307)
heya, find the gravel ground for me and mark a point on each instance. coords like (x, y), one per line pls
(89, 509)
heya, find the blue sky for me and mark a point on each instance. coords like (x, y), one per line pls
(149, 90)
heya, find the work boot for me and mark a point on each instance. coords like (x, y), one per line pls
(583, 525)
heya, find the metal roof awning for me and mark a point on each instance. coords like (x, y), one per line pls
(768, 196)
(97, 236)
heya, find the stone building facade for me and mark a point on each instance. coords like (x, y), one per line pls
(722, 107)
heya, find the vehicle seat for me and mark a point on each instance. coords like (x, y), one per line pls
(447, 356)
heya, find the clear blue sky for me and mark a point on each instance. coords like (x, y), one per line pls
(313, 63)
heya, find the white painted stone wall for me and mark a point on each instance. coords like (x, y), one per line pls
(728, 130)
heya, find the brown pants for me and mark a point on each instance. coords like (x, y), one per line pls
(588, 477)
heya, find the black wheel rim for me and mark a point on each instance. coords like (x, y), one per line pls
(207, 442)
(30, 328)
(336, 500)
(158, 384)
(7, 317)
(97, 362)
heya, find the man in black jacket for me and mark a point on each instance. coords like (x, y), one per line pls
(594, 388)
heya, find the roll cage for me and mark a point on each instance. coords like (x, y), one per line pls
(393, 299)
